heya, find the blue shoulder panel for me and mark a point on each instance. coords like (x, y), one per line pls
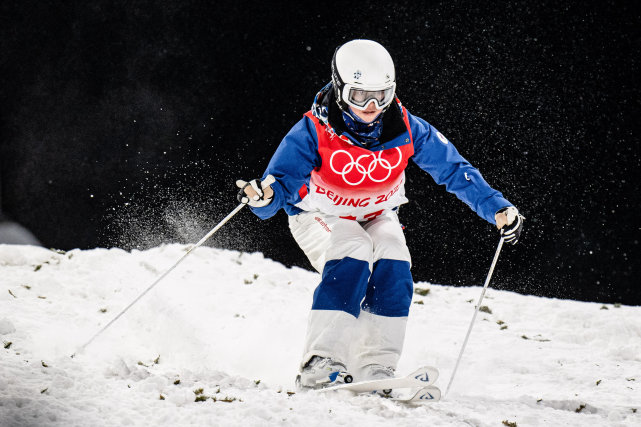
(291, 165)
(437, 156)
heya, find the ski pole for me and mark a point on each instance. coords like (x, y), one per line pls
(476, 310)
(268, 181)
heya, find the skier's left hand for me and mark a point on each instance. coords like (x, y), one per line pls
(510, 222)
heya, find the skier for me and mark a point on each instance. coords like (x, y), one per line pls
(339, 175)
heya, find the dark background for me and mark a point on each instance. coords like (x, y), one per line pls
(127, 123)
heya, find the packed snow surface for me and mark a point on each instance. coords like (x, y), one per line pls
(218, 342)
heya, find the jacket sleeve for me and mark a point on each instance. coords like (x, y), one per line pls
(437, 156)
(291, 165)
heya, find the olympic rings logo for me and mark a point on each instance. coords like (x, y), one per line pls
(358, 172)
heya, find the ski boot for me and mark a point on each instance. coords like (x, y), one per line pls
(322, 372)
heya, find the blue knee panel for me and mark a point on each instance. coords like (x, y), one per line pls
(390, 289)
(343, 286)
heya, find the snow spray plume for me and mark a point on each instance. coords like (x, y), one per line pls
(476, 310)
(157, 214)
(227, 218)
(269, 180)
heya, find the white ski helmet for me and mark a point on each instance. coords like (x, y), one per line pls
(363, 72)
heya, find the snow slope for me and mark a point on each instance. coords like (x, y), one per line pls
(227, 328)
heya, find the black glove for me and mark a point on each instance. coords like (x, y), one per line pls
(511, 231)
(252, 192)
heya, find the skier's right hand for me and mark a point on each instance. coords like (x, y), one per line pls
(256, 193)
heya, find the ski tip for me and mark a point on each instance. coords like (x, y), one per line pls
(425, 395)
(426, 374)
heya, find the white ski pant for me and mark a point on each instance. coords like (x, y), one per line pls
(359, 312)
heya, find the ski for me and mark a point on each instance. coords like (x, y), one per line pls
(425, 395)
(421, 378)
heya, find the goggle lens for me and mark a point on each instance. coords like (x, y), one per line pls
(360, 97)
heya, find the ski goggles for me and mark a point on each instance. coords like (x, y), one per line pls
(360, 98)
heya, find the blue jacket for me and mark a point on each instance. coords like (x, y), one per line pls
(297, 155)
